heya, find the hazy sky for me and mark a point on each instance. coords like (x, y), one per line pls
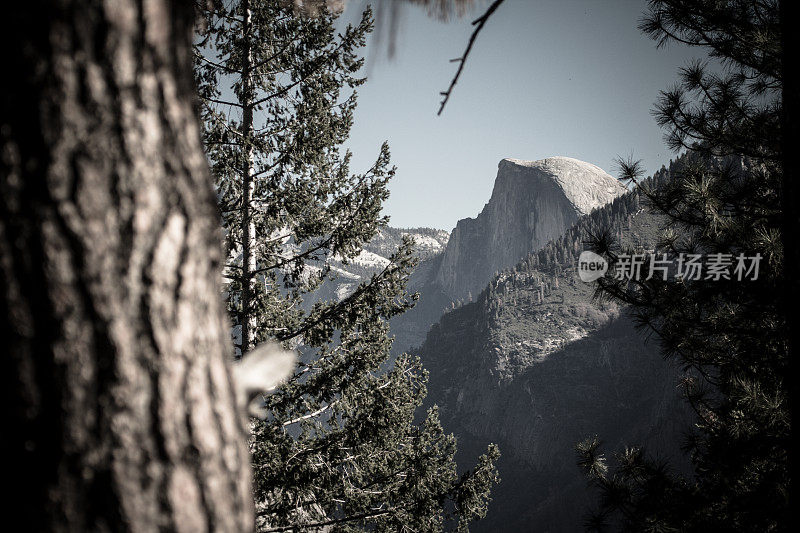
(546, 77)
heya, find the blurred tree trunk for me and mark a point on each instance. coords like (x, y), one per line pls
(119, 412)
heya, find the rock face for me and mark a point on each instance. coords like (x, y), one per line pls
(532, 203)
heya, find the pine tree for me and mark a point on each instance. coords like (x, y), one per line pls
(730, 335)
(341, 447)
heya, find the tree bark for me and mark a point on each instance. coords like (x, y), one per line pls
(119, 412)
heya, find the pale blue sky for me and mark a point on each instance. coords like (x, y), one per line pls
(545, 78)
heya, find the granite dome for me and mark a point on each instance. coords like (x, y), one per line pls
(585, 185)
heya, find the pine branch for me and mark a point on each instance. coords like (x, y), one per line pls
(316, 525)
(223, 102)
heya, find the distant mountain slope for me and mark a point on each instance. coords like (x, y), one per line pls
(374, 257)
(428, 241)
(535, 365)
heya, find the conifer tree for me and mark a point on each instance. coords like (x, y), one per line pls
(730, 334)
(341, 447)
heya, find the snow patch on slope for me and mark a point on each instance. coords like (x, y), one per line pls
(425, 243)
(369, 259)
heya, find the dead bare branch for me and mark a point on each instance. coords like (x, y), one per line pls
(478, 23)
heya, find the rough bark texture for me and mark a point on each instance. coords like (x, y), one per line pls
(119, 412)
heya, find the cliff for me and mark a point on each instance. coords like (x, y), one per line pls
(532, 203)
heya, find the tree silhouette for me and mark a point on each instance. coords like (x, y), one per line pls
(731, 335)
